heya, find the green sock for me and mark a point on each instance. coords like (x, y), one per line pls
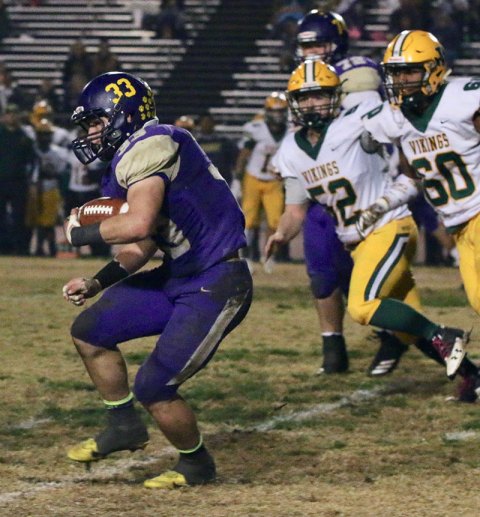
(398, 316)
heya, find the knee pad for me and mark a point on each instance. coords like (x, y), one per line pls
(322, 285)
(151, 384)
(84, 328)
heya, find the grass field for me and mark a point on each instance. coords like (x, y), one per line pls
(287, 442)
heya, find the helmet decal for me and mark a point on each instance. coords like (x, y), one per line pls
(122, 103)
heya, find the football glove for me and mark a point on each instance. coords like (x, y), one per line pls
(368, 217)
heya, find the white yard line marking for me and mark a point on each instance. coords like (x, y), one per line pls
(319, 409)
(99, 471)
(31, 423)
(105, 471)
(461, 436)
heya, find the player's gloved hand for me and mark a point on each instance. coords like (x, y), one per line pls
(70, 223)
(78, 290)
(369, 216)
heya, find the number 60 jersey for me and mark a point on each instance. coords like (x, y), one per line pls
(441, 145)
(338, 172)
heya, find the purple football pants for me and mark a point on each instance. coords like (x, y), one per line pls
(192, 315)
(329, 265)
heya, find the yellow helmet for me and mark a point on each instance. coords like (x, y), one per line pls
(276, 101)
(413, 50)
(276, 110)
(314, 77)
(41, 109)
(185, 122)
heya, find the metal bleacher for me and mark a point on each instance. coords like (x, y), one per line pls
(43, 35)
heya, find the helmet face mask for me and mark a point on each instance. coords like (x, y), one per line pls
(314, 94)
(322, 36)
(111, 108)
(414, 68)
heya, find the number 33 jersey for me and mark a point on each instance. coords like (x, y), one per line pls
(442, 146)
(337, 172)
(200, 222)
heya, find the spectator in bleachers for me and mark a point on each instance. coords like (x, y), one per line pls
(11, 92)
(291, 12)
(46, 92)
(472, 22)
(17, 160)
(284, 27)
(77, 70)
(410, 15)
(288, 36)
(170, 21)
(354, 15)
(449, 32)
(221, 150)
(5, 26)
(105, 60)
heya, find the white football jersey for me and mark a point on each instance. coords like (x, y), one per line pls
(258, 138)
(51, 165)
(60, 136)
(337, 172)
(442, 146)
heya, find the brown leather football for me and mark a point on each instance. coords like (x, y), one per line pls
(99, 209)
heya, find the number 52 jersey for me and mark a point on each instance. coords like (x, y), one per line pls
(441, 145)
(338, 172)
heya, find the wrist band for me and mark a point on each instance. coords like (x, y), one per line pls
(90, 234)
(112, 273)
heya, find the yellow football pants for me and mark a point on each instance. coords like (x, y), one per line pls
(382, 269)
(468, 246)
(255, 194)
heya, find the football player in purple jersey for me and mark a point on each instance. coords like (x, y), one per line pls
(178, 204)
(324, 35)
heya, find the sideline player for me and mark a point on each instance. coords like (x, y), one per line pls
(180, 204)
(261, 188)
(330, 160)
(437, 125)
(325, 36)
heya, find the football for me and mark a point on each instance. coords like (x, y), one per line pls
(99, 209)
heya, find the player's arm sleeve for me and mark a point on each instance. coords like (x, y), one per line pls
(380, 125)
(145, 158)
(295, 193)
